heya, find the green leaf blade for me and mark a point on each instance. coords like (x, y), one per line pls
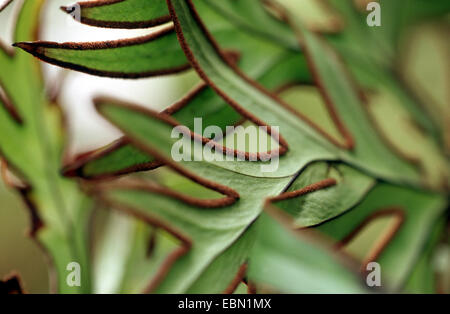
(156, 54)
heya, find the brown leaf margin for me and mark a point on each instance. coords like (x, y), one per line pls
(74, 168)
(7, 167)
(364, 99)
(97, 191)
(381, 243)
(309, 234)
(3, 46)
(186, 242)
(7, 104)
(153, 220)
(100, 102)
(325, 183)
(240, 276)
(397, 212)
(335, 23)
(8, 2)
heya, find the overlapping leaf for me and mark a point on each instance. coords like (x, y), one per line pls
(418, 211)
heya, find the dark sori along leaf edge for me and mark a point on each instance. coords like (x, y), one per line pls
(148, 132)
